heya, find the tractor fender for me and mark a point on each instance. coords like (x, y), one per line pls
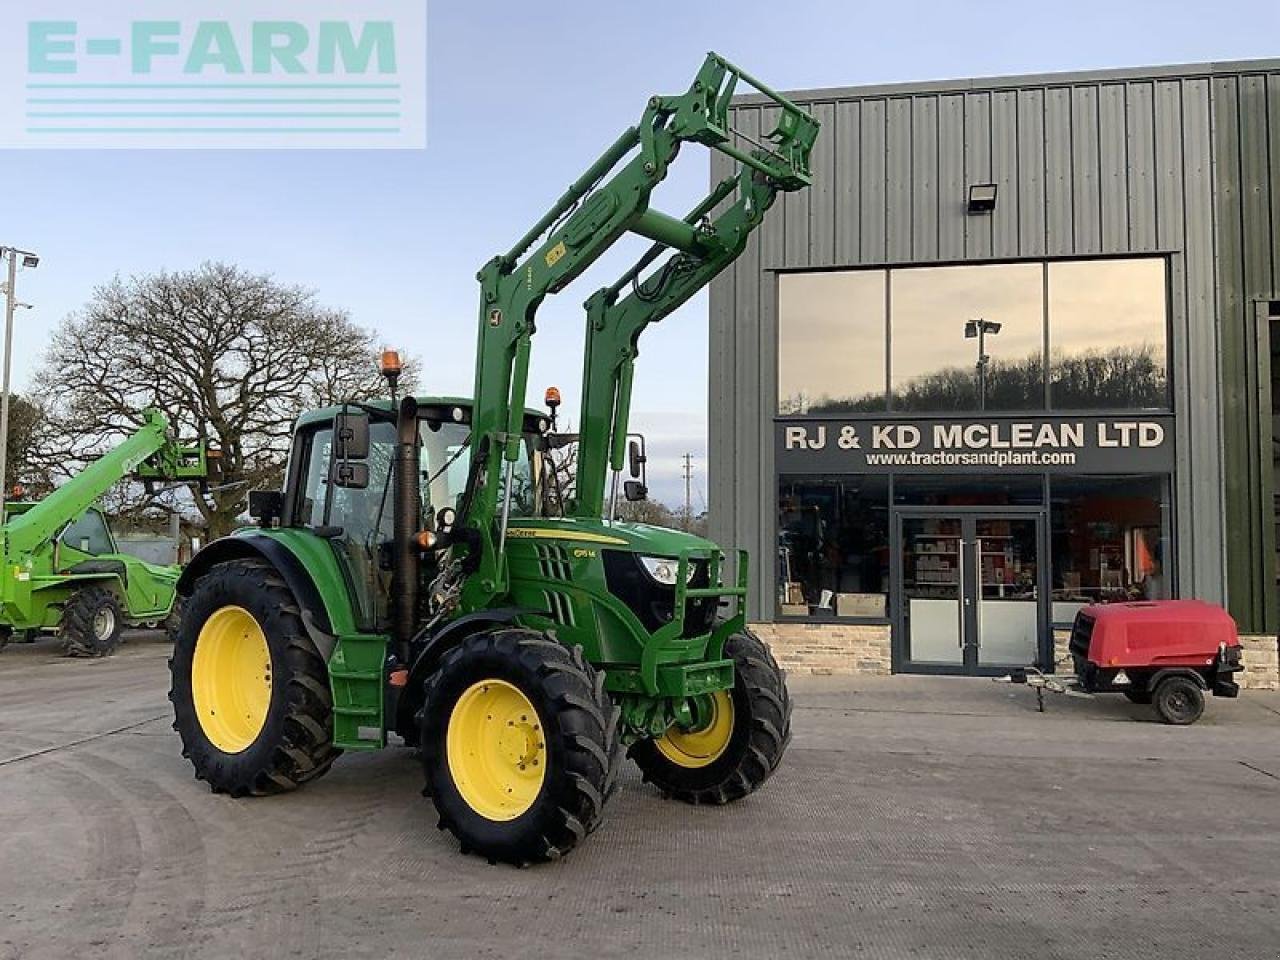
(445, 638)
(312, 610)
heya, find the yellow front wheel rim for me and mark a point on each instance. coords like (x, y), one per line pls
(231, 679)
(705, 745)
(497, 750)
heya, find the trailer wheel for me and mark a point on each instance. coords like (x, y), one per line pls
(91, 623)
(739, 740)
(519, 744)
(250, 692)
(1178, 700)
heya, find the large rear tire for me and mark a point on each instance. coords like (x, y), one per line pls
(520, 745)
(174, 621)
(739, 741)
(92, 622)
(250, 693)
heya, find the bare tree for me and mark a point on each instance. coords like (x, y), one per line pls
(227, 355)
(26, 462)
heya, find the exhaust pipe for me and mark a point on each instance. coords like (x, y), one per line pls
(407, 510)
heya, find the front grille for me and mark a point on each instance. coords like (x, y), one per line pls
(653, 603)
(1081, 634)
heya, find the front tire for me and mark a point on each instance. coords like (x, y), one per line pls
(91, 623)
(740, 741)
(519, 744)
(250, 693)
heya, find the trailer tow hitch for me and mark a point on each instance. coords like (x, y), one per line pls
(1040, 681)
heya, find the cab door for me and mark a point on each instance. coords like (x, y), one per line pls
(357, 522)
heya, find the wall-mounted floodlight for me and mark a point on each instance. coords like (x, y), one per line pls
(976, 328)
(30, 260)
(982, 197)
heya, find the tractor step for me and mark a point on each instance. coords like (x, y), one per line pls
(356, 679)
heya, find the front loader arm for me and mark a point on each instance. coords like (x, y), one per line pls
(596, 210)
(148, 453)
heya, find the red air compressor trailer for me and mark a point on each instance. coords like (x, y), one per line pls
(1168, 653)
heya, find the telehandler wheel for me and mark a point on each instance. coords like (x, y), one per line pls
(739, 741)
(250, 693)
(91, 623)
(520, 745)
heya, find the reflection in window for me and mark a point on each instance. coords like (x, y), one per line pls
(833, 547)
(1108, 541)
(968, 338)
(968, 490)
(1107, 334)
(831, 342)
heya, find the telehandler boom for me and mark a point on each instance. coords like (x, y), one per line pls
(413, 578)
(59, 566)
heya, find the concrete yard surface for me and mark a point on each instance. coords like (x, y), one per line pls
(913, 817)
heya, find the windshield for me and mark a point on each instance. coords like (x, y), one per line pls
(446, 460)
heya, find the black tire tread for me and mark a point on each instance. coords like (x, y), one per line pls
(303, 749)
(76, 630)
(1162, 709)
(763, 685)
(587, 721)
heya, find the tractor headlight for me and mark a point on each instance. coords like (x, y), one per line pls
(665, 570)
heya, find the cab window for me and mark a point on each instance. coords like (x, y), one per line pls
(446, 462)
(88, 534)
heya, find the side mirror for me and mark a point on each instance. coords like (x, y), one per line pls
(634, 491)
(636, 459)
(351, 436)
(446, 517)
(266, 506)
(352, 476)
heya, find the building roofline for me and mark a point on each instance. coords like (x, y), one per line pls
(1181, 71)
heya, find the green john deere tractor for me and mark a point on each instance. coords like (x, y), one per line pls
(410, 578)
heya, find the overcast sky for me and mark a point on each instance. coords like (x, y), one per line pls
(522, 97)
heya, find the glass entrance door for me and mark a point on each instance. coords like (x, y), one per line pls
(970, 593)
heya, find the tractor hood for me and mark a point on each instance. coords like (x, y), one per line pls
(635, 537)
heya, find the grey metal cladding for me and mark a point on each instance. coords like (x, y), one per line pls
(1099, 163)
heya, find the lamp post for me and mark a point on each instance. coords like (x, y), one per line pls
(10, 306)
(979, 329)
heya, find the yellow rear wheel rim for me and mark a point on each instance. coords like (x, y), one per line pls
(706, 744)
(231, 679)
(497, 750)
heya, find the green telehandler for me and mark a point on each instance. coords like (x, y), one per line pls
(61, 570)
(410, 579)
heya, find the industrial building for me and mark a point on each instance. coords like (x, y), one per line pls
(1013, 353)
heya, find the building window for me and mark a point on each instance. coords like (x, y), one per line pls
(833, 547)
(1109, 540)
(967, 338)
(1107, 335)
(973, 338)
(831, 342)
(969, 490)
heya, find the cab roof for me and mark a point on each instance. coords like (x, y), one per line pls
(383, 403)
